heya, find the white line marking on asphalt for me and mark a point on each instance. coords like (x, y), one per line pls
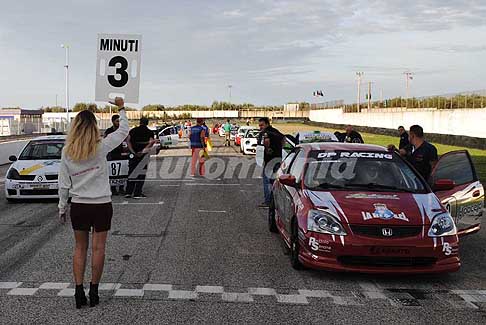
(54, 285)
(69, 292)
(315, 293)
(129, 293)
(211, 184)
(209, 289)
(292, 299)
(9, 285)
(262, 291)
(237, 297)
(138, 203)
(22, 292)
(170, 185)
(467, 296)
(157, 287)
(182, 294)
(211, 211)
(109, 286)
(372, 291)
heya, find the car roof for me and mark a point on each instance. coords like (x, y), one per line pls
(49, 138)
(340, 146)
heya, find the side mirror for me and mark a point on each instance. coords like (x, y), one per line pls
(288, 180)
(444, 185)
(12, 158)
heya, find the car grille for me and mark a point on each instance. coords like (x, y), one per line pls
(385, 261)
(26, 177)
(377, 231)
(51, 177)
(39, 192)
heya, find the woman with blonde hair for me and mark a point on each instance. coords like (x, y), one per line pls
(83, 175)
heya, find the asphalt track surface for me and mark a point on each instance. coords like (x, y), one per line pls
(197, 250)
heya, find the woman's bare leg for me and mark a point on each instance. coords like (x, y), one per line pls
(98, 256)
(79, 259)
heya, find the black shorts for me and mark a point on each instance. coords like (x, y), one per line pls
(86, 216)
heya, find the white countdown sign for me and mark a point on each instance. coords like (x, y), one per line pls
(118, 67)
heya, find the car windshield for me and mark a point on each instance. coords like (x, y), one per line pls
(252, 134)
(42, 150)
(358, 171)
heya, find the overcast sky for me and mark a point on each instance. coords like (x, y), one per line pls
(271, 51)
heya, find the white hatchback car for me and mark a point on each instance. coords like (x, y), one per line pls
(34, 173)
(249, 142)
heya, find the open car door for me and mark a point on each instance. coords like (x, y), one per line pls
(465, 199)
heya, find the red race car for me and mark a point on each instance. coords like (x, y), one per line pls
(355, 207)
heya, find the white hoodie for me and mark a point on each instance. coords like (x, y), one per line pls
(87, 181)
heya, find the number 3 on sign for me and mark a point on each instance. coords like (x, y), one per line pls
(118, 64)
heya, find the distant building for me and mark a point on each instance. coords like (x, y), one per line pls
(20, 121)
(292, 107)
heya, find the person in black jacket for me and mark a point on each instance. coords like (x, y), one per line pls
(404, 141)
(349, 135)
(115, 154)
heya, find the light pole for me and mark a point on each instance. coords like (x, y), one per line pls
(229, 89)
(408, 77)
(66, 47)
(359, 75)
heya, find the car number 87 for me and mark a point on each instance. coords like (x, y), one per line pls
(115, 168)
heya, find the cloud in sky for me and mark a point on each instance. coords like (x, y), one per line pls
(270, 51)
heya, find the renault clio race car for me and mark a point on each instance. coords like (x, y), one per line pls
(354, 207)
(249, 142)
(241, 132)
(34, 173)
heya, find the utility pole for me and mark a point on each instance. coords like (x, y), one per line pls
(408, 77)
(369, 95)
(66, 66)
(56, 100)
(359, 75)
(229, 88)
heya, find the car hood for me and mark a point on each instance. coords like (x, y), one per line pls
(378, 208)
(37, 167)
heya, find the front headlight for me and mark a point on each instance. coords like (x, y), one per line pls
(13, 174)
(442, 225)
(324, 223)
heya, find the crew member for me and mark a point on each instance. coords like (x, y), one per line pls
(140, 140)
(83, 176)
(197, 136)
(272, 140)
(227, 132)
(423, 155)
(115, 154)
(404, 141)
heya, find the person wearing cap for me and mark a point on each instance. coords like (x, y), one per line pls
(197, 135)
(139, 141)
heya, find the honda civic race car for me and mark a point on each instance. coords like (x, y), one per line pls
(34, 173)
(355, 207)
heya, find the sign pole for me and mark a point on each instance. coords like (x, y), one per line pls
(66, 47)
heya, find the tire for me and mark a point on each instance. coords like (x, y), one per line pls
(272, 224)
(295, 247)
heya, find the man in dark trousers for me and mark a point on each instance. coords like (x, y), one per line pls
(115, 154)
(139, 141)
(272, 140)
(404, 141)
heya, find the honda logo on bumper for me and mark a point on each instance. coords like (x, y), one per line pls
(387, 232)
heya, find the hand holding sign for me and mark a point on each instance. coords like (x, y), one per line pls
(118, 102)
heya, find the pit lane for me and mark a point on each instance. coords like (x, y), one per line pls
(198, 250)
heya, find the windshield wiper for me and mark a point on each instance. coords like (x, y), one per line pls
(328, 185)
(382, 186)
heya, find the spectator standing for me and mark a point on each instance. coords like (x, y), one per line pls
(197, 137)
(227, 132)
(140, 140)
(404, 140)
(272, 139)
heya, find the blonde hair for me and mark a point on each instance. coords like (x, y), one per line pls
(83, 137)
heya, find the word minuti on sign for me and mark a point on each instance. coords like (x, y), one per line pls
(118, 64)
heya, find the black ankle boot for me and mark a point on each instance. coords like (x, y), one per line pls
(94, 299)
(80, 297)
